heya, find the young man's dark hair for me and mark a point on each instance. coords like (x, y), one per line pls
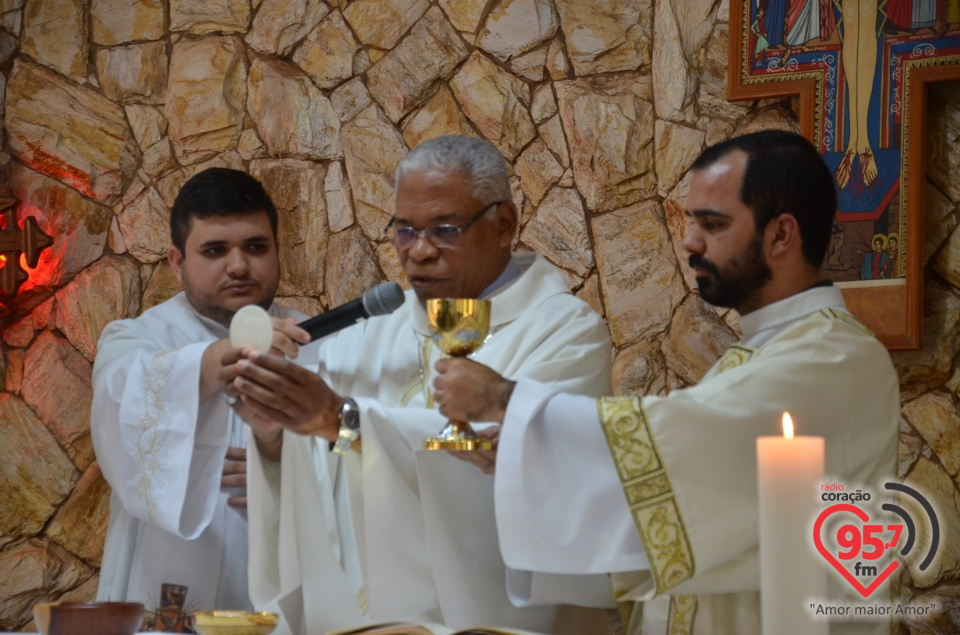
(218, 192)
(785, 175)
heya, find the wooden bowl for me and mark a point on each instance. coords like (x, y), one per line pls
(41, 616)
(234, 622)
(102, 618)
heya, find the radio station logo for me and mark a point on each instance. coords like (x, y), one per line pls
(854, 543)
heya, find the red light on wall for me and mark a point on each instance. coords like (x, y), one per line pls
(3, 262)
(17, 245)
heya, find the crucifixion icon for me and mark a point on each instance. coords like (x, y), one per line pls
(861, 69)
(14, 241)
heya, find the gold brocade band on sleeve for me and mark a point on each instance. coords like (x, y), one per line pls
(648, 491)
(683, 613)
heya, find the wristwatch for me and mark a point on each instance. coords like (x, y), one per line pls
(349, 427)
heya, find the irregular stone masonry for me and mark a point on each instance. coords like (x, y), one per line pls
(599, 107)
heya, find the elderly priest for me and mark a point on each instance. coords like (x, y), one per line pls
(418, 540)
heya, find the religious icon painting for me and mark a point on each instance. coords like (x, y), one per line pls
(172, 613)
(860, 68)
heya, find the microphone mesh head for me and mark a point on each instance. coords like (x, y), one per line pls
(384, 298)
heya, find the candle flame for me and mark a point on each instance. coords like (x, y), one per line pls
(787, 426)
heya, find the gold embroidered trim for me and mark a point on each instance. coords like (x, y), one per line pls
(648, 490)
(148, 444)
(418, 381)
(425, 373)
(832, 314)
(683, 612)
(413, 386)
(736, 355)
(362, 599)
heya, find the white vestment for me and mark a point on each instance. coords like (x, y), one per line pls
(425, 522)
(687, 464)
(162, 452)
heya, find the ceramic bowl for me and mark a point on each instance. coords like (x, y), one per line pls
(103, 618)
(234, 622)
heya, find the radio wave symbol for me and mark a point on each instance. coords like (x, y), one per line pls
(934, 523)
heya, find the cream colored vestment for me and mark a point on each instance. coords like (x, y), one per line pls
(683, 478)
(162, 451)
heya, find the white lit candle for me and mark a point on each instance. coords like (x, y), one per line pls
(789, 474)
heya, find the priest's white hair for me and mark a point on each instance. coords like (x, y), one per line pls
(477, 159)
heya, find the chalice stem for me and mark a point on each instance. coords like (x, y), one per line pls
(463, 429)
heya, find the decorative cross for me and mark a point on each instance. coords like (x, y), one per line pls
(861, 69)
(29, 241)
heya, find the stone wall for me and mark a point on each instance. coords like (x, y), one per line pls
(600, 107)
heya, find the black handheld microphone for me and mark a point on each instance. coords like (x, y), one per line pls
(380, 300)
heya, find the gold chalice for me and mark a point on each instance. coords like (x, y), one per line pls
(459, 327)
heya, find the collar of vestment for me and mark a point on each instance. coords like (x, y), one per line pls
(537, 281)
(764, 323)
(510, 273)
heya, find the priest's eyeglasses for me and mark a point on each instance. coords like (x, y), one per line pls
(438, 236)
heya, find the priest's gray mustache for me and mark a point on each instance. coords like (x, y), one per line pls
(384, 298)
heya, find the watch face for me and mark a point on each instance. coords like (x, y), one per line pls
(350, 415)
(351, 420)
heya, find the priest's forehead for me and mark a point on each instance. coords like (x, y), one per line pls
(435, 197)
(715, 188)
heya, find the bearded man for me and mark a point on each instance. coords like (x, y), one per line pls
(661, 491)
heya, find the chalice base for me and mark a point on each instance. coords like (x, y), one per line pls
(457, 435)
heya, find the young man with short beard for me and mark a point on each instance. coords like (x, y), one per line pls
(682, 543)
